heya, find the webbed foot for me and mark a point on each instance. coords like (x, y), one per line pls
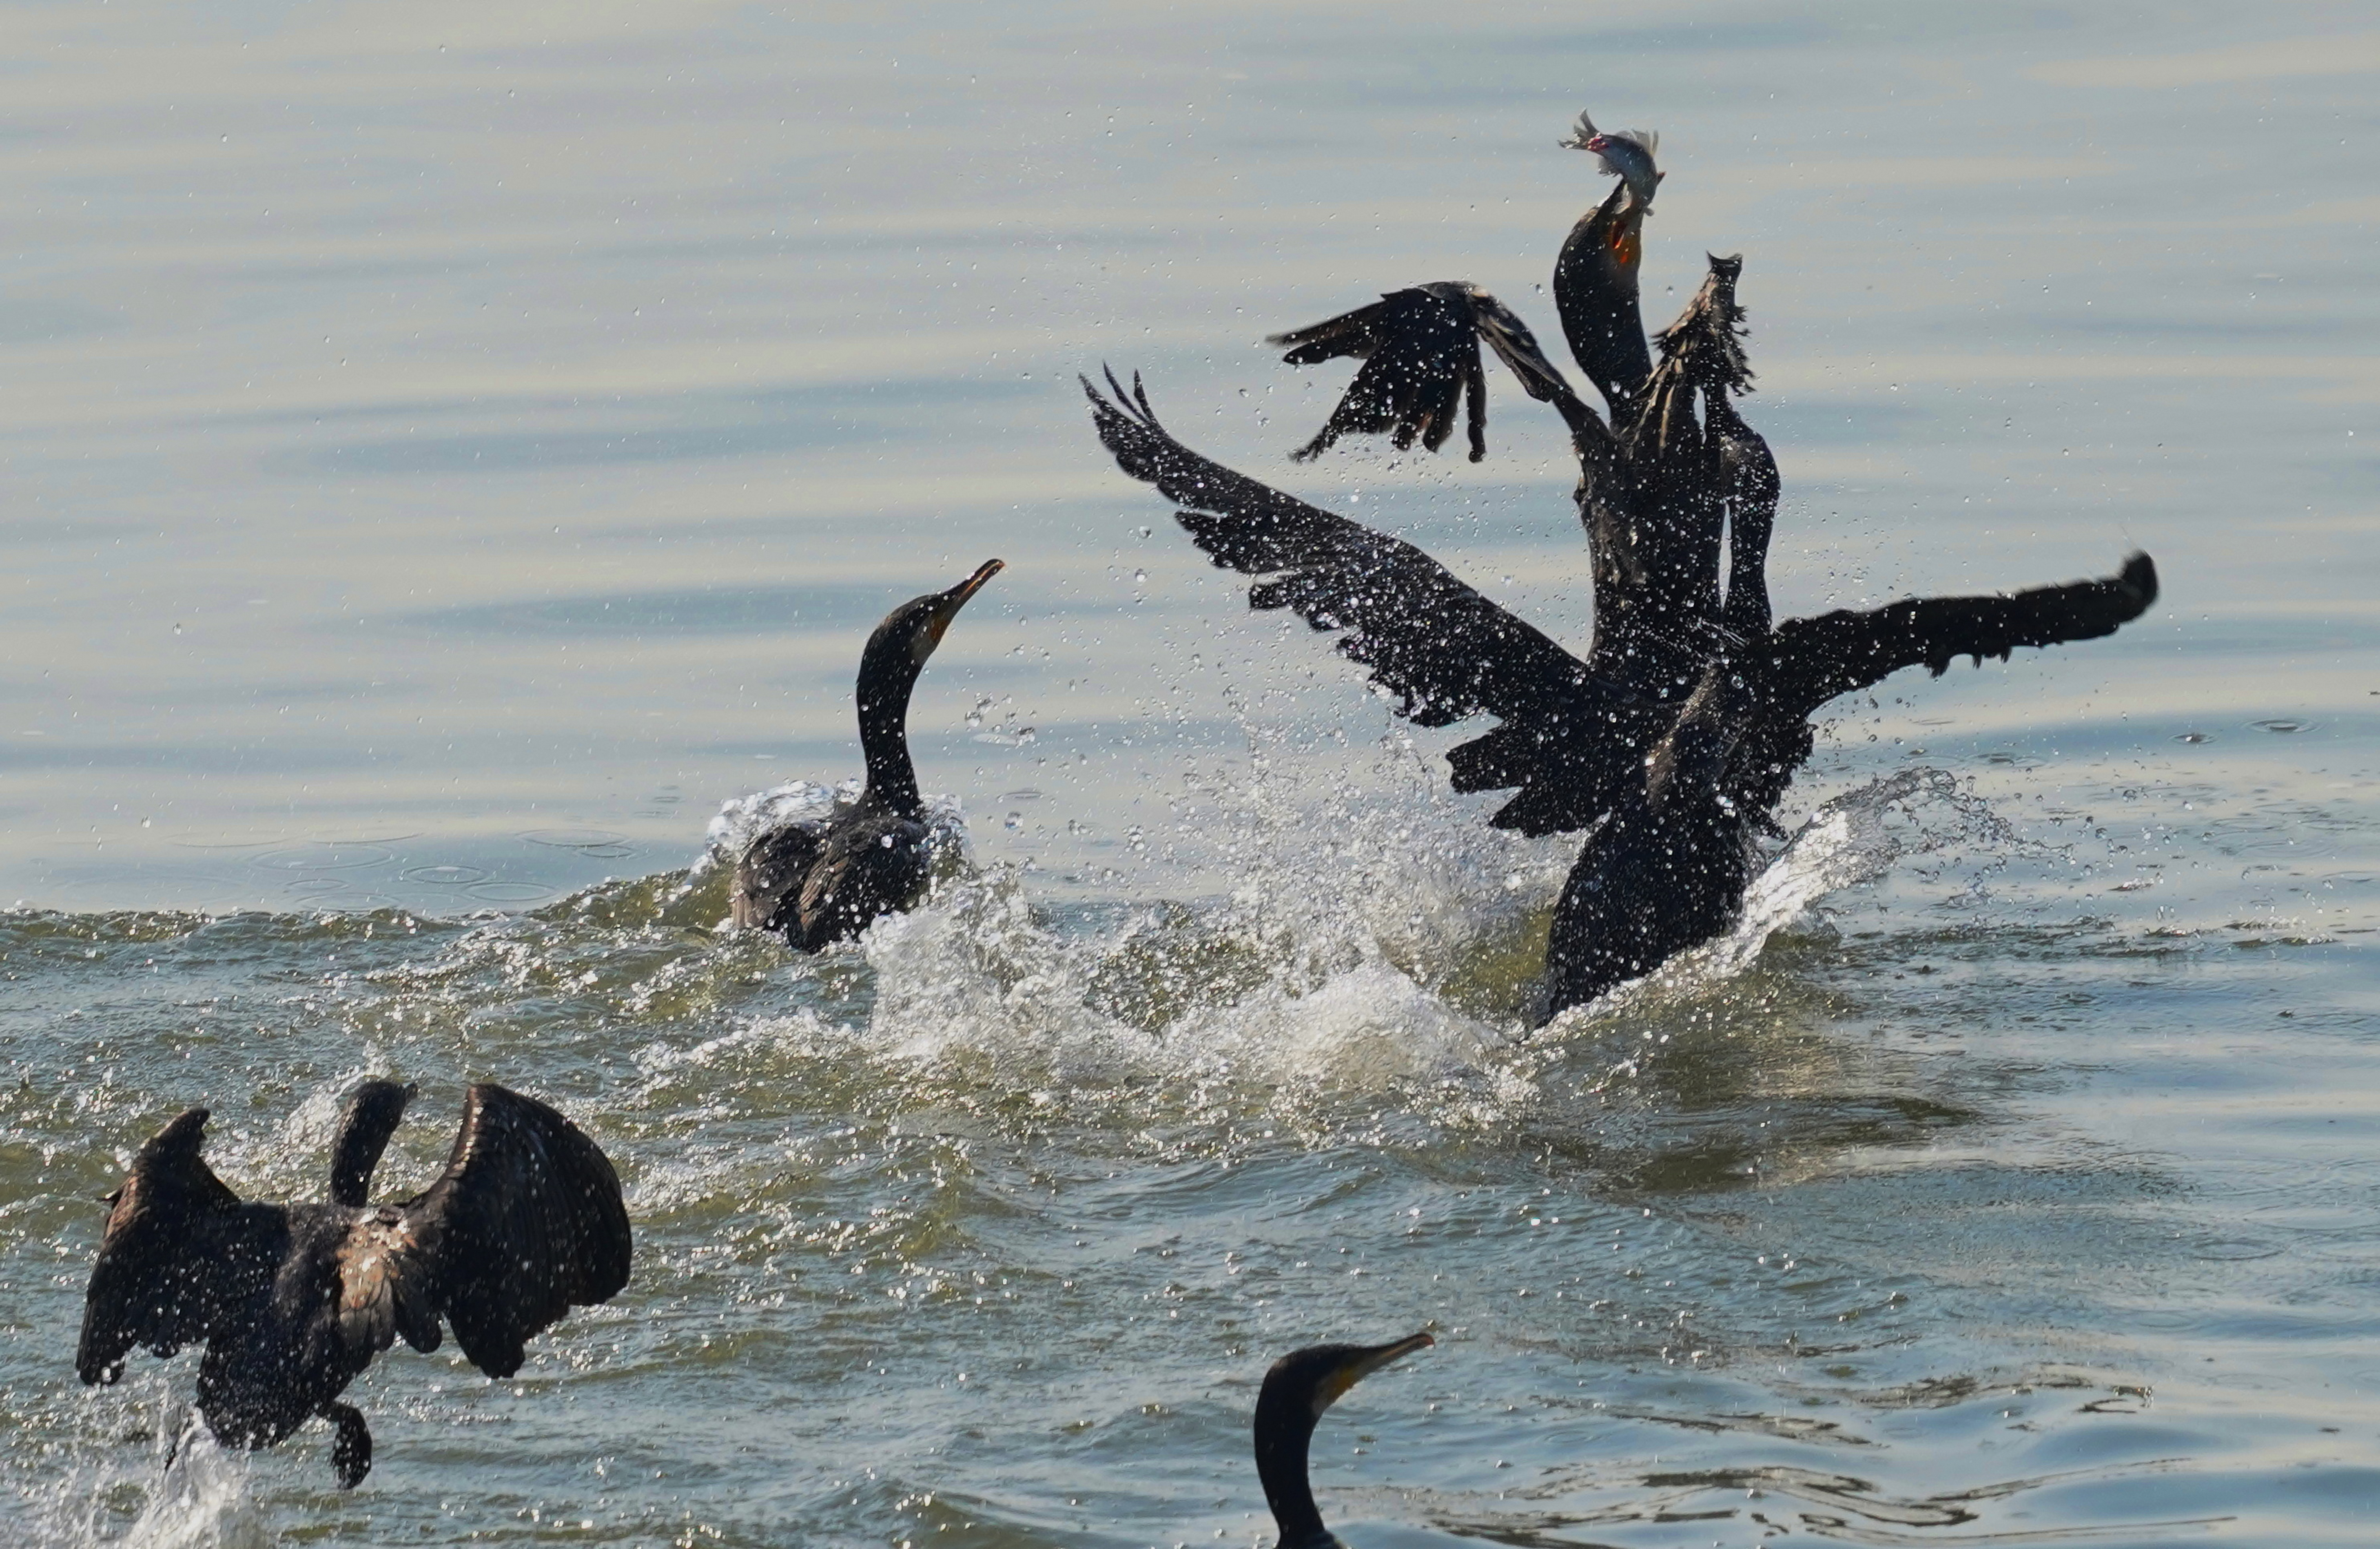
(351, 1448)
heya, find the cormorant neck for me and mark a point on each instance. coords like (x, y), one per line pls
(884, 686)
(1284, 1430)
(371, 1117)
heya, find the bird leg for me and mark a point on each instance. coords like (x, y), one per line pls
(351, 1450)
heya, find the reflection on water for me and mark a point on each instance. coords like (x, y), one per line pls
(457, 450)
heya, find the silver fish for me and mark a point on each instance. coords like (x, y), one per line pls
(1626, 154)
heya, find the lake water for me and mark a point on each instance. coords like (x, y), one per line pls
(455, 449)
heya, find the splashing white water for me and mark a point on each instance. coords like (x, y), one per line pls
(1853, 838)
(1375, 942)
(742, 819)
(201, 1500)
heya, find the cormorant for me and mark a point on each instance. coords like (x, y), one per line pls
(294, 1301)
(1300, 1386)
(1421, 354)
(1673, 741)
(822, 880)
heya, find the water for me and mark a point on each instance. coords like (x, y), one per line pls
(457, 452)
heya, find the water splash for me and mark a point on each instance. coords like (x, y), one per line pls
(1857, 838)
(1375, 942)
(740, 820)
(202, 1498)
(1851, 839)
(202, 1502)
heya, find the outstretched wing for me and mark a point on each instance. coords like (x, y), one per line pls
(154, 1285)
(1445, 649)
(1420, 349)
(1815, 659)
(526, 1223)
(1706, 344)
(1518, 348)
(1420, 355)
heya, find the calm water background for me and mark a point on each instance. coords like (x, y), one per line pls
(451, 450)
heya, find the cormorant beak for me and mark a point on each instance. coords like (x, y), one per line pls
(947, 606)
(1361, 1363)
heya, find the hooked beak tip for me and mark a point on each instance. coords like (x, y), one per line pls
(957, 596)
(975, 584)
(1396, 1351)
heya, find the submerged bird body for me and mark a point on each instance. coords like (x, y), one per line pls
(1670, 741)
(821, 880)
(1296, 1391)
(294, 1301)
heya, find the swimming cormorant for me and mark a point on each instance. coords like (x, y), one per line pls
(1300, 1386)
(1674, 738)
(294, 1301)
(822, 880)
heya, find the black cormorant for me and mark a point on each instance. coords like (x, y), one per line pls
(1420, 351)
(1673, 741)
(294, 1301)
(822, 880)
(1299, 1388)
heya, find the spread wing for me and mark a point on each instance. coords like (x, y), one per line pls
(1815, 659)
(770, 875)
(1420, 349)
(526, 1223)
(1420, 355)
(1518, 348)
(1445, 649)
(1704, 346)
(154, 1285)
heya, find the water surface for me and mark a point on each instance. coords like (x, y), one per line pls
(457, 449)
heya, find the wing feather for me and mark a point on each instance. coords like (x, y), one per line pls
(1419, 354)
(769, 875)
(1420, 349)
(154, 1283)
(1815, 659)
(526, 1223)
(1443, 648)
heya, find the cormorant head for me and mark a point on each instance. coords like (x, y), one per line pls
(372, 1115)
(910, 632)
(1299, 1388)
